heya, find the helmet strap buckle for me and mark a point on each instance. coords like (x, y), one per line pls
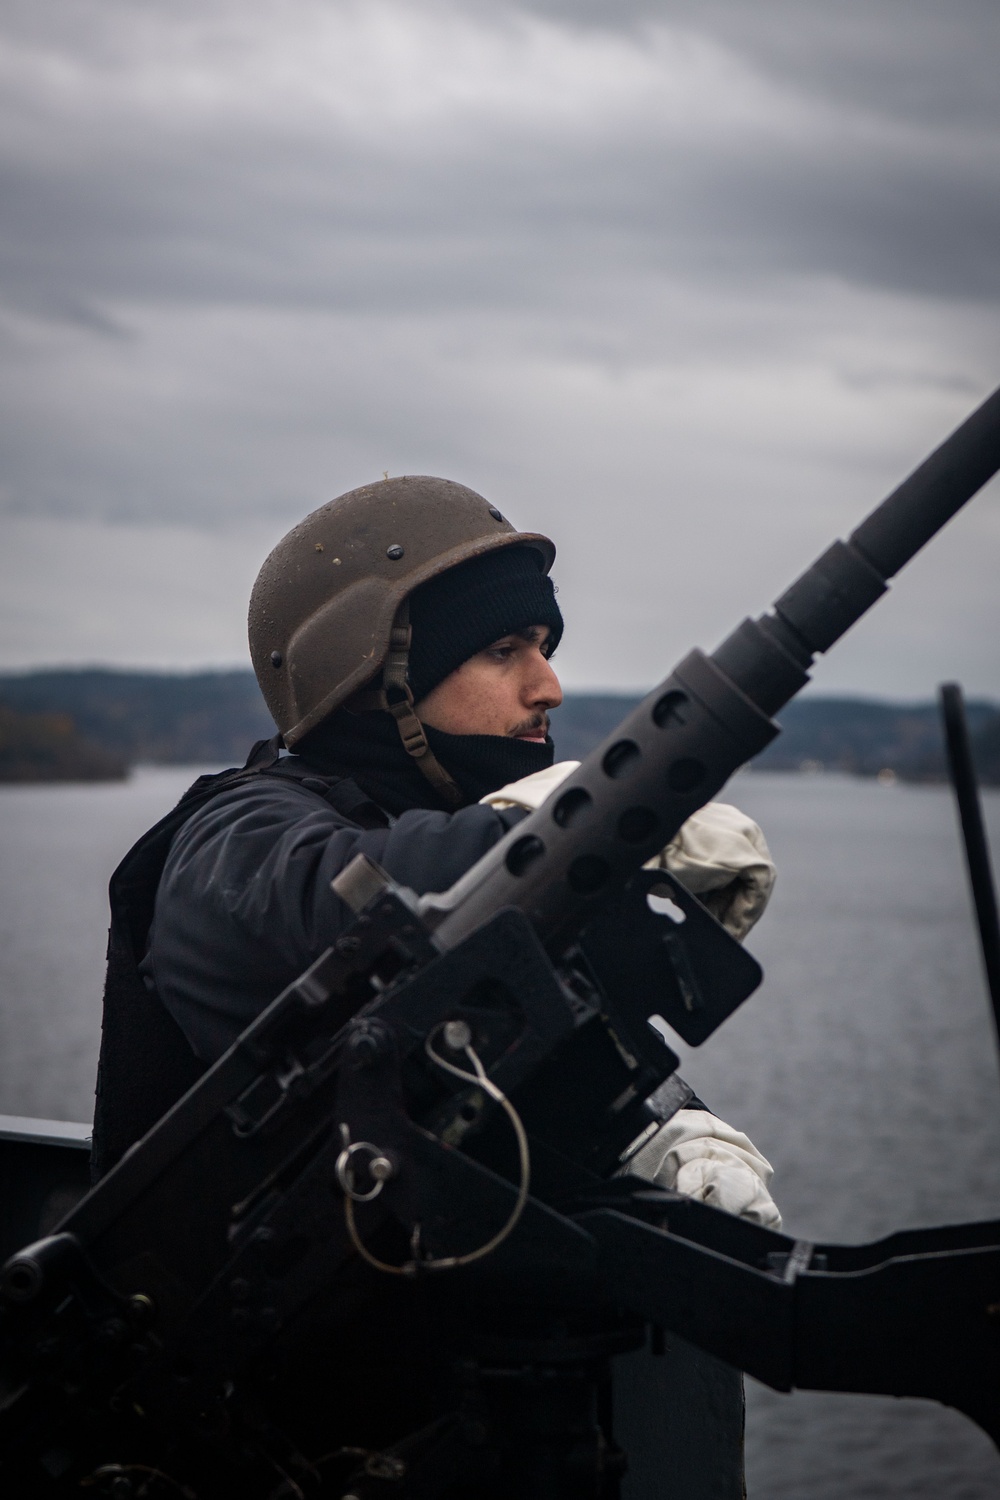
(396, 697)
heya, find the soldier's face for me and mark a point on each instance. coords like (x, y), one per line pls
(507, 690)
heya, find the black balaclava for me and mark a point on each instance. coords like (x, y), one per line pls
(454, 616)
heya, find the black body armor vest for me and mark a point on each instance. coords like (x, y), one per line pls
(146, 1063)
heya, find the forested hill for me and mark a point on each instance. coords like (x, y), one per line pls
(858, 735)
(198, 718)
(212, 718)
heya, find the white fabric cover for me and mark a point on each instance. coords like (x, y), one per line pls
(719, 854)
(701, 1156)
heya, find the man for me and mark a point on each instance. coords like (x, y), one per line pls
(402, 636)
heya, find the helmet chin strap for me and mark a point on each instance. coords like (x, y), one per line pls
(396, 697)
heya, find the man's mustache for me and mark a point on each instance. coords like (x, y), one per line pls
(537, 724)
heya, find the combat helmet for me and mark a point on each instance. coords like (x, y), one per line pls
(329, 612)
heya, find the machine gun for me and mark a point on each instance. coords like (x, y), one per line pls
(424, 1135)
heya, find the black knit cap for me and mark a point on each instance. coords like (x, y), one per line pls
(465, 609)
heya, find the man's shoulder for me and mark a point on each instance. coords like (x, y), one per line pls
(288, 791)
(261, 823)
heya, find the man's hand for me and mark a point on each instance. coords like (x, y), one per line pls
(719, 854)
(699, 1155)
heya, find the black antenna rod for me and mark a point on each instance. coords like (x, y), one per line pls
(977, 850)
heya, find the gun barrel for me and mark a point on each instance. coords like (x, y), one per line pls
(709, 717)
(919, 507)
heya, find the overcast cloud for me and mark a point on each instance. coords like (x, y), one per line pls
(688, 285)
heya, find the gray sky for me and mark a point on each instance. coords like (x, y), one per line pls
(688, 284)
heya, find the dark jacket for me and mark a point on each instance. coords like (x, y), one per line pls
(245, 905)
(227, 900)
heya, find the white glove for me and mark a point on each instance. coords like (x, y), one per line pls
(719, 854)
(531, 791)
(701, 1156)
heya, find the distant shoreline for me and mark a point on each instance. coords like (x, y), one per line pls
(48, 747)
(111, 720)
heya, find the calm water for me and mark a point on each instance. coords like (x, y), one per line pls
(865, 1068)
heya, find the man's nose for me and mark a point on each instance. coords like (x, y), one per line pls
(543, 686)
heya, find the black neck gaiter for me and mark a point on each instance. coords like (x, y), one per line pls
(367, 748)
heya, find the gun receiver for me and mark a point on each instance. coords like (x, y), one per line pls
(709, 717)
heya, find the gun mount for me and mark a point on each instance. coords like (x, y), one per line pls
(426, 1129)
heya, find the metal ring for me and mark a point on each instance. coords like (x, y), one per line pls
(345, 1173)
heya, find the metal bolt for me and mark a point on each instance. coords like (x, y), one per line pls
(142, 1309)
(368, 1042)
(276, 658)
(347, 944)
(394, 553)
(457, 1036)
(381, 1169)
(495, 513)
(22, 1280)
